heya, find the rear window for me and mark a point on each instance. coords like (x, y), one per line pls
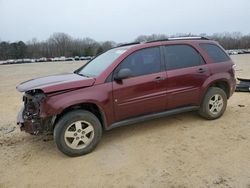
(182, 56)
(215, 52)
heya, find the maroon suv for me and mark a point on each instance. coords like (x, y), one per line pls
(125, 85)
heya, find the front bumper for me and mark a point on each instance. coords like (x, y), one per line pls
(34, 126)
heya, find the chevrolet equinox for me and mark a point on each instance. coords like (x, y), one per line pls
(125, 85)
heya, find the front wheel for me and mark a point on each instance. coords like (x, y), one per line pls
(77, 133)
(214, 103)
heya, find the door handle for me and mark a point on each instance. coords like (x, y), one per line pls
(159, 78)
(202, 70)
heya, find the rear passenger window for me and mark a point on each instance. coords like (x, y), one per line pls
(215, 52)
(182, 56)
(142, 62)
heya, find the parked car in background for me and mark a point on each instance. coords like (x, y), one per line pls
(128, 84)
(55, 59)
(42, 59)
(86, 58)
(49, 59)
(82, 58)
(77, 58)
(3, 62)
(10, 61)
(69, 59)
(62, 58)
(238, 51)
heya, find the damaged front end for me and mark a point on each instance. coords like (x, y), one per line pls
(29, 118)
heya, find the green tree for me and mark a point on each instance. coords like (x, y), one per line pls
(88, 51)
(99, 50)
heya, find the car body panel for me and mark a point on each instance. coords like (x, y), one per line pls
(136, 96)
(56, 104)
(139, 95)
(56, 83)
(184, 86)
(220, 72)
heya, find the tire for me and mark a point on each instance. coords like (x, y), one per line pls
(77, 133)
(214, 103)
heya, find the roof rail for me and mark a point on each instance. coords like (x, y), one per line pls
(167, 39)
(188, 38)
(180, 38)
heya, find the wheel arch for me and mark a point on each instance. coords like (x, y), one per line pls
(221, 83)
(89, 106)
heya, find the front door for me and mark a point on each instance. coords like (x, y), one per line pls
(145, 91)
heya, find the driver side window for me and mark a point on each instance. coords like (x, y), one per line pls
(142, 62)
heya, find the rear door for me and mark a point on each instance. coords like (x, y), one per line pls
(186, 73)
(145, 91)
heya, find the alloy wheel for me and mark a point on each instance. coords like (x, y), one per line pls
(216, 104)
(79, 135)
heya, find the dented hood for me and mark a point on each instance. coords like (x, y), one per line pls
(54, 83)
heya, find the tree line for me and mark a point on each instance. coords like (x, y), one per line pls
(61, 44)
(234, 40)
(57, 45)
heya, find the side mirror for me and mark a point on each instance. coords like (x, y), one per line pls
(123, 74)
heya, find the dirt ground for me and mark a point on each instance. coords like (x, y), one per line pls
(179, 151)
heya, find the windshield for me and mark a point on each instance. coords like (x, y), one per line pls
(101, 62)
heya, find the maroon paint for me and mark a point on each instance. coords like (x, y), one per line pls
(119, 100)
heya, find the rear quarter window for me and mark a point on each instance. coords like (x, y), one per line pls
(215, 52)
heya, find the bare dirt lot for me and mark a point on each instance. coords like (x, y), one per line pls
(179, 151)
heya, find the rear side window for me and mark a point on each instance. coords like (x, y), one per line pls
(215, 52)
(182, 56)
(142, 62)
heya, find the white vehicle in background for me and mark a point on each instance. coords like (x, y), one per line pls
(82, 58)
(2, 62)
(77, 58)
(232, 52)
(62, 58)
(42, 59)
(27, 60)
(10, 61)
(55, 59)
(33, 60)
(70, 59)
(86, 58)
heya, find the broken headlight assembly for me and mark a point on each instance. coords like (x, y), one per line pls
(32, 104)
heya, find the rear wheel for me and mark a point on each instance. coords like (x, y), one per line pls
(214, 103)
(77, 133)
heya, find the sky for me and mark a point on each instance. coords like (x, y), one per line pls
(120, 20)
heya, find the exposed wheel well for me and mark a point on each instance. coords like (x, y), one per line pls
(93, 108)
(223, 85)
